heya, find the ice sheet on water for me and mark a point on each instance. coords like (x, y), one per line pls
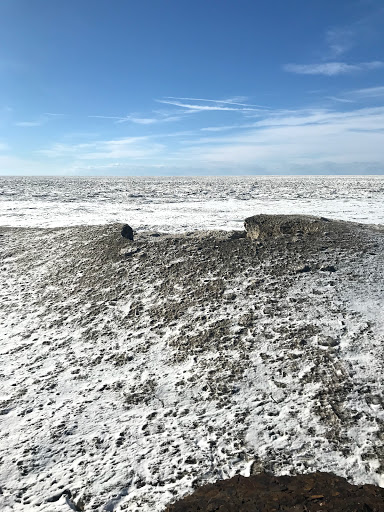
(185, 204)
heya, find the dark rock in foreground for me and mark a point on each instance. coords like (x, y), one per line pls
(267, 493)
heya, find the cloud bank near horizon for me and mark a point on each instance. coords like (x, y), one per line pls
(280, 141)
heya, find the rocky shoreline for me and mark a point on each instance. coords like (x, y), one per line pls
(135, 371)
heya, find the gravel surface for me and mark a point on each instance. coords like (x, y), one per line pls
(133, 372)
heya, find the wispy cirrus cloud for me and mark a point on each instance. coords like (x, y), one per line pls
(195, 105)
(369, 92)
(366, 119)
(281, 141)
(226, 128)
(28, 124)
(343, 38)
(184, 106)
(285, 141)
(332, 68)
(359, 95)
(40, 121)
(233, 101)
(279, 118)
(125, 119)
(339, 100)
(115, 150)
(137, 119)
(124, 148)
(339, 41)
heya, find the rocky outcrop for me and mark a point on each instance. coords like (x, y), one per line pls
(267, 493)
(267, 226)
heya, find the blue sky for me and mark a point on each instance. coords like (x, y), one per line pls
(180, 87)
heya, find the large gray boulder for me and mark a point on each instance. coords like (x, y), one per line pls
(263, 226)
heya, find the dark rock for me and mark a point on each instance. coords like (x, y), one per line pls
(267, 493)
(58, 495)
(236, 235)
(305, 268)
(55, 497)
(128, 251)
(257, 467)
(127, 232)
(328, 268)
(80, 505)
(328, 341)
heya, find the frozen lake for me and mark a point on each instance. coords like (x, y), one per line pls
(185, 204)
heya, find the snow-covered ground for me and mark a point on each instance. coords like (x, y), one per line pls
(132, 372)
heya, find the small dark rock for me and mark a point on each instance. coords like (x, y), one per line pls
(257, 467)
(328, 341)
(127, 232)
(328, 268)
(127, 251)
(305, 268)
(236, 235)
(80, 505)
(58, 495)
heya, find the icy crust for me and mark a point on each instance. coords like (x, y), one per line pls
(133, 372)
